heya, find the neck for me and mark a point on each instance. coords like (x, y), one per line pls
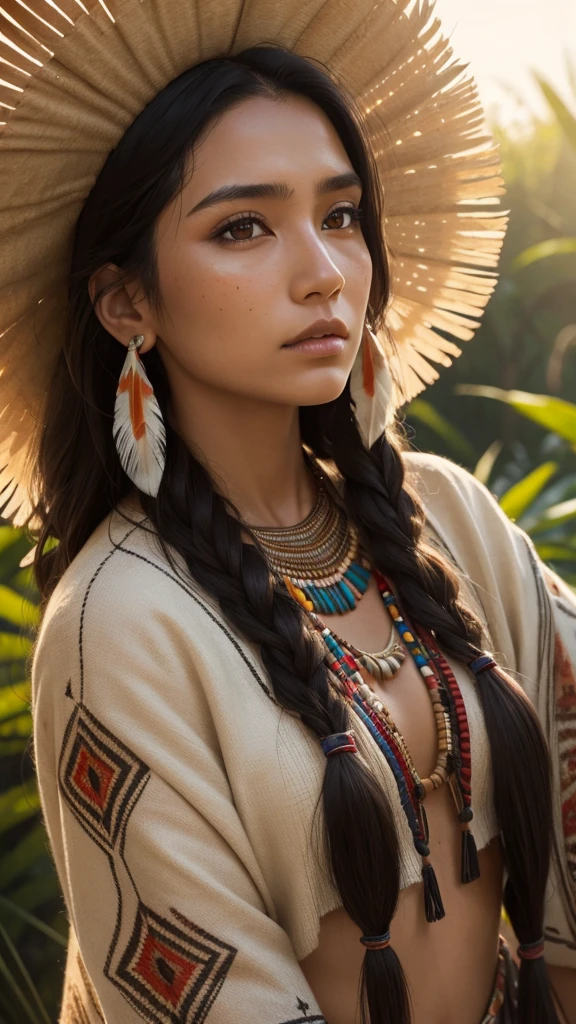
(253, 452)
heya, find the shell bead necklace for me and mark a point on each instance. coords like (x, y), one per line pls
(381, 665)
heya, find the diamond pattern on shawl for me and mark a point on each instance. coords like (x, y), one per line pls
(100, 777)
(171, 975)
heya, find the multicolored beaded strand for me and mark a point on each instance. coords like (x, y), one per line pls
(410, 787)
(460, 779)
(454, 761)
(381, 665)
(462, 793)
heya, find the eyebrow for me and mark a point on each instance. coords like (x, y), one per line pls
(274, 190)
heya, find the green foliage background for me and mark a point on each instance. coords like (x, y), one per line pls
(504, 410)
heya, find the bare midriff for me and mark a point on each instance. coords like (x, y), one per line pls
(449, 965)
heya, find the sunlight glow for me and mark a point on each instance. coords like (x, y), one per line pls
(503, 40)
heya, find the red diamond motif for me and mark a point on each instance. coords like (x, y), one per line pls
(93, 776)
(163, 969)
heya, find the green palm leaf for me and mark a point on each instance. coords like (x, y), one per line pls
(14, 647)
(16, 805)
(556, 515)
(563, 115)
(557, 552)
(31, 919)
(520, 496)
(31, 850)
(14, 701)
(543, 251)
(555, 414)
(25, 975)
(17, 609)
(427, 414)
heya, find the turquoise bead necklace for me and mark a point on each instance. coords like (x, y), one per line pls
(319, 559)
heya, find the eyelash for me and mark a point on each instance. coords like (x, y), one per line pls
(355, 212)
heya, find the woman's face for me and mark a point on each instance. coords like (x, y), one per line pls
(261, 243)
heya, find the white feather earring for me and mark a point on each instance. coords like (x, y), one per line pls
(372, 388)
(138, 429)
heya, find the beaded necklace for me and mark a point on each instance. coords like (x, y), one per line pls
(319, 559)
(322, 566)
(383, 664)
(453, 762)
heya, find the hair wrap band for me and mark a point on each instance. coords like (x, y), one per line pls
(339, 743)
(482, 663)
(376, 941)
(531, 950)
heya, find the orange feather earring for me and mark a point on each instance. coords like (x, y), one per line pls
(139, 431)
(372, 389)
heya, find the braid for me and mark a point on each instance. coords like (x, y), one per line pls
(390, 517)
(361, 840)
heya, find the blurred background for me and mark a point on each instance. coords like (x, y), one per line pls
(506, 410)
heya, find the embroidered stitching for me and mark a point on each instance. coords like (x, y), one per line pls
(100, 778)
(167, 973)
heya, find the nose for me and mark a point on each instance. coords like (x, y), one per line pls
(315, 272)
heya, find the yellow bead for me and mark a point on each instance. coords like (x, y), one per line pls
(393, 610)
(408, 636)
(298, 594)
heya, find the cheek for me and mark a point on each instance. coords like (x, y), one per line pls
(360, 271)
(217, 314)
(213, 291)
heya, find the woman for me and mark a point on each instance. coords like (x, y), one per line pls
(252, 817)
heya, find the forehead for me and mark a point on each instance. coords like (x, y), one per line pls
(265, 139)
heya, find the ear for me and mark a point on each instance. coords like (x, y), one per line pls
(121, 306)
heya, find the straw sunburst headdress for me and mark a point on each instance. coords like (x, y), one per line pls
(74, 74)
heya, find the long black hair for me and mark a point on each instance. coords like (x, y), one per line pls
(79, 480)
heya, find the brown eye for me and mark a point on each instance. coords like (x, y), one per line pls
(241, 230)
(338, 217)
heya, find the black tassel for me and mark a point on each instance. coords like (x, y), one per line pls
(470, 865)
(432, 899)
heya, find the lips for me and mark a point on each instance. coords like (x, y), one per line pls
(320, 329)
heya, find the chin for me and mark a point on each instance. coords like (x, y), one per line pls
(326, 387)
